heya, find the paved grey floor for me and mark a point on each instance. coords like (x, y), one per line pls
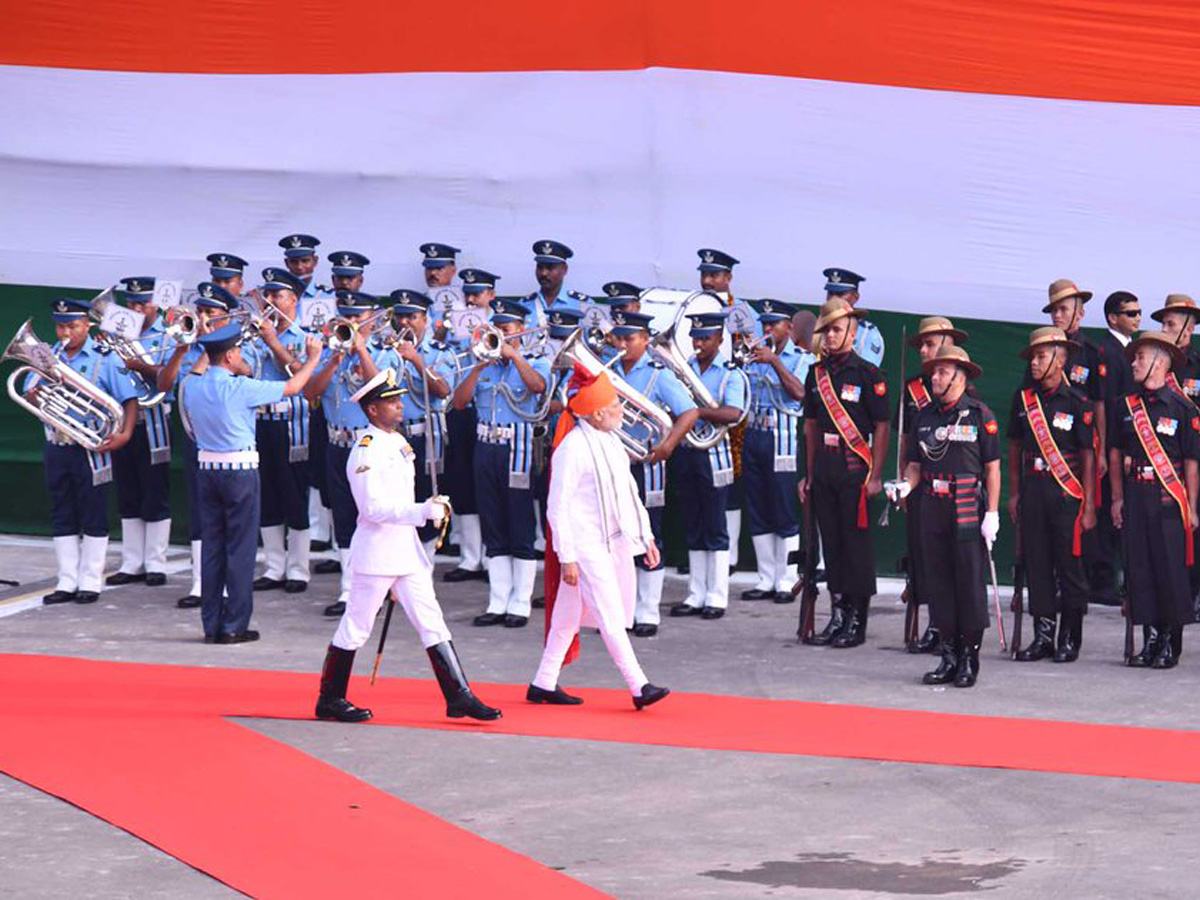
(654, 822)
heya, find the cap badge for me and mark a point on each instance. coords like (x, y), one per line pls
(547, 247)
(297, 243)
(708, 256)
(469, 276)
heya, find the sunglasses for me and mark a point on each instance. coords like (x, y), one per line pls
(1131, 313)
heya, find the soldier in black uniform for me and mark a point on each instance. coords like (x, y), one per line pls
(933, 333)
(954, 461)
(1153, 507)
(1052, 505)
(845, 407)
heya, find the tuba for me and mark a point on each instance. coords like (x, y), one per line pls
(126, 349)
(636, 409)
(65, 401)
(704, 435)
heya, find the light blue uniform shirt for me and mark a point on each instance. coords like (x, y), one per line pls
(439, 360)
(340, 411)
(766, 390)
(262, 361)
(221, 408)
(493, 407)
(868, 342)
(565, 300)
(659, 385)
(104, 370)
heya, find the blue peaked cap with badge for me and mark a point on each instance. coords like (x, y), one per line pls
(563, 321)
(225, 337)
(214, 296)
(841, 281)
(715, 260)
(707, 323)
(509, 309)
(774, 310)
(626, 323)
(476, 281)
(68, 309)
(225, 265)
(353, 303)
(298, 245)
(347, 262)
(620, 293)
(551, 253)
(277, 279)
(138, 288)
(406, 301)
(435, 255)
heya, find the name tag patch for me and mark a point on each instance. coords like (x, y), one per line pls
(851, 392)
(1063, 420)
(1167, 426)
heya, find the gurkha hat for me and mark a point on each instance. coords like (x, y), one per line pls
(1065, 289)
(1049, 336)
(956, 355)
(382, 387)
(1177, 303)
(833, 309)
(1159, 339)
(937, 325)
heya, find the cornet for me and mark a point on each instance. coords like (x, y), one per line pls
(340, 332)
(65, 400)
(489, 339)
(742, 351)
(182, 324)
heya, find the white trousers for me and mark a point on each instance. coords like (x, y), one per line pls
(602, 599)
(367, 594)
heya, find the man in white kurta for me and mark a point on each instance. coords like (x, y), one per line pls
(387, 557)
(598, 525)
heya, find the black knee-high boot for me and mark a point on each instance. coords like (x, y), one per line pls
(460, 701)
(335, 677)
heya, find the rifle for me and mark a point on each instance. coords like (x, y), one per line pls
(1018, 598)
(883, 516)
(912, 612)
(806, 585)
(996, 598)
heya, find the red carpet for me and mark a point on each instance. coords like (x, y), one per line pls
(147, 748)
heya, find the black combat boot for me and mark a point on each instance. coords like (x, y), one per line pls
(1070, 636)
(930, 642)
(460, 701)
(1042, 645)
(1150, 640)
(948, 666)
(335, 676)
(855, 630)
(968, 660)
(837, 621)
(1165, 657)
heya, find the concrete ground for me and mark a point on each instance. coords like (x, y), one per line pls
(658, 822)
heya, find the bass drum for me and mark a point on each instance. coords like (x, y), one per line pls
(670, 307)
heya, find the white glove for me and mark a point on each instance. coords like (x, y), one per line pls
(990, 528)
(435, 509)
(897, 490)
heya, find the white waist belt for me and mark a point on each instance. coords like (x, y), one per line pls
(235, 459)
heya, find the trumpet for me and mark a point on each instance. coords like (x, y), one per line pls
(489, 339)
(339, 332)
(65, 400)
(126, 349)
(704, 434)
(182, 324)
(742, 351)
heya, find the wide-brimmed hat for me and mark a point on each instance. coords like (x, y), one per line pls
(1049, 336)
(956, 355)
(833, 309)
(937, 325)
(1177, 303)
(1156, 339)
(1064, 289)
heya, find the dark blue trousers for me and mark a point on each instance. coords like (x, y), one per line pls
(189, 479)
(770, 497)
(460, 460)
(655, 513)
(341, 501)
(143, 490)
(318, 445)
(507, 518)
(284, 484)
(229, 510)
(76, 506)
(703, 505)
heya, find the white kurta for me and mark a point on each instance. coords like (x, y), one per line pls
(597, 522)
(385, 553)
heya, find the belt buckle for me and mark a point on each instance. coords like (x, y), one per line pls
(1040, 465)
(832, 440)
(941, 486)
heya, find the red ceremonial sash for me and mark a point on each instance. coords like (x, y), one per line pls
(849, 432)
(918, 393)
(1054, 458)
(1162, 467)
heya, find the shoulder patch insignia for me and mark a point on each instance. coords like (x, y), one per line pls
(881, 388)
(1088, 415)
(1103, 370)
(366, 441)
(990, 426)
(1195, 423)
(361, 469)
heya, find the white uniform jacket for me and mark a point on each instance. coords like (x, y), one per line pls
(381, 470)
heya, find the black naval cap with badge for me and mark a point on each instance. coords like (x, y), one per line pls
(382, 386)
(435, 255)
(296, 246)
(138, 288)
(551, 253)
(213, 296)
(562, 321)
(706, 324)
(225, 265)
(618, 294)
(842, 281)
(715, 260)
(770, 310)
(509, 309)
(277, 279)
(355, 303)
(69, 309)
(347, 263)
(627, 323)
(476, 281)
(407, 301)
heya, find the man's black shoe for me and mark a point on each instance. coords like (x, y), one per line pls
(556, 697)
(58, 597)
(116, 579)
(266, 584)
(242, 637)
(293, 586)
(191, 601)
(336, 608)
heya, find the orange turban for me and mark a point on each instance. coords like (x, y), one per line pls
(587, 394)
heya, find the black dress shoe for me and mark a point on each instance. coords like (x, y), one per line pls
(87, 597)
(1150, 641)
(685, 609)
(538, 602)
(293, 586)
(155, 579)
(58, 597)
(327, 567)
(489, 619)
(511, 621)
(211, 639)
(758, 594)
(191, 601)
(341, 710)
(711, 612)
(650, 694)
(644, 629)
(336, 608)
(784, 597)
(465, 575)
(242, 637)
(319, 546)
(116, 579)
(266, 584)
(556, 697)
